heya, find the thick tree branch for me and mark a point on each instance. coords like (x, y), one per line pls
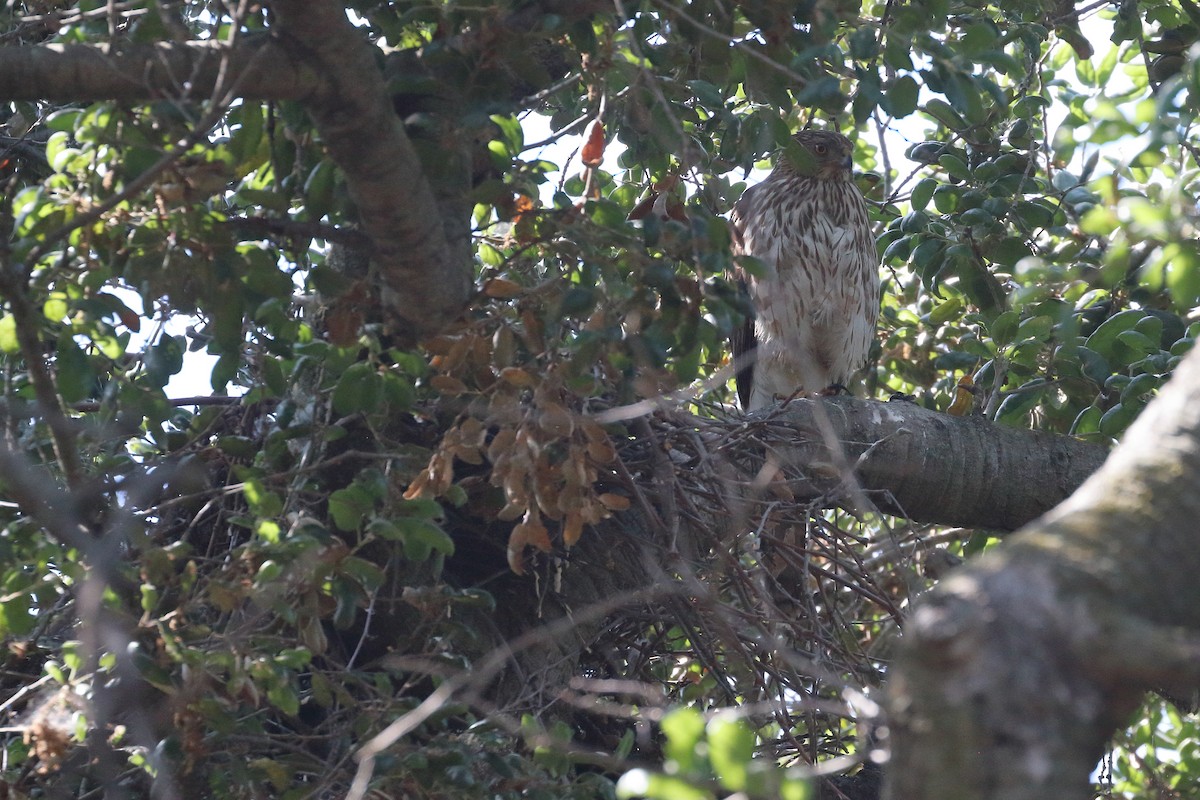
(58, 73)
(425, 281)
(1015, 671)
(931, 467)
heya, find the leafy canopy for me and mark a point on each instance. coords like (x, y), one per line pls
(1032, 172)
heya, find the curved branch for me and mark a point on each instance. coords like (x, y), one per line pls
(426, 282)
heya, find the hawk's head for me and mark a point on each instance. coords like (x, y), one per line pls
(824, 155)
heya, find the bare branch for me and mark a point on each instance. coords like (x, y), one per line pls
(58, 73)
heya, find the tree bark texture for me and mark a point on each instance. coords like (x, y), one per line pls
(933, 467)
(1016, 670)
(425, 279)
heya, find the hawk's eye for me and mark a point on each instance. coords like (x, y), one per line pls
(820, 149)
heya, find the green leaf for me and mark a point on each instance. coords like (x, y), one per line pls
(1086, 422)
(1004, 328)
(955, 166)
(901, 97)
(683, 727)
(76, 378)
(944, 113)
(1020, 402)
(731, 750)
(349, 507)
(164, 359)
(922, 193)
(420, 536)
(1117, 419)
(360, 389)
(367, 575)
(796, 789)
(656, 786)
(1131, 346)
(707, 94)
(261, 501)
(1104, 338)
(284, 697)
(8, 334)
(272, 377)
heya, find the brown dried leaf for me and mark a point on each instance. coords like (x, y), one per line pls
(502, 288)
(504, 345)
(523, 204)
(468, 455)
(643, 208)
(504, 406)
(441, 472)
(440, 345)
(458, 352)
(472, 432)
(534, 331)
(447, 385)
(667, 184)
(343, 322)
(653, 383)
(511, 511)
(555, 419)
(602, 452)
(572, 528)
(516, 548)
(546, 488)
(501, 444)
(480, 351)
(597, 321)
(536, 532)
(593, 512)
(614, 502)
(517, 377)
(417, 487)
(592, 152)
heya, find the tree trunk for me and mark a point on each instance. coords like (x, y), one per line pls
(1016, 670)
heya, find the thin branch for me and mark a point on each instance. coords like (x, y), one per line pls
(28, 324)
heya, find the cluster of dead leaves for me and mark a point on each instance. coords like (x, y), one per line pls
(541, 451)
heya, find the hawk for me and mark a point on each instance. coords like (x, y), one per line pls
(817, 297)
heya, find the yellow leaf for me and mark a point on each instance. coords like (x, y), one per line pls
(964, 397)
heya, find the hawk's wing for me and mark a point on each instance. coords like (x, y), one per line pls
(742, 340)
